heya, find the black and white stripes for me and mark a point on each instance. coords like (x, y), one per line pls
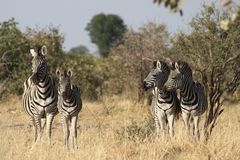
(42, 101)
(165, 104)
(40, 94)
(69, 105)
(192, 96)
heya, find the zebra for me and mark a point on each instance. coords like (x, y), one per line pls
(69, 105)
(40, 95)
(193, 99)
(165, 104)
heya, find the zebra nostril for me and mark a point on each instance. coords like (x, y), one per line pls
(145, 85)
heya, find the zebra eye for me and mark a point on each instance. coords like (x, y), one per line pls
(154, 75)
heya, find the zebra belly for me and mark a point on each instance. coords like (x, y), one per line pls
(69, 110)
(46, 102)
(166, 108)
(191, 109)
(49, 105)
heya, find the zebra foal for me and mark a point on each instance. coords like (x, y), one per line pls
(69, 105)
(193, 100)
(165, 104)
(40, 94)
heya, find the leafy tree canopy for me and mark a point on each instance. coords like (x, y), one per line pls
(81, 49)
(105, 31)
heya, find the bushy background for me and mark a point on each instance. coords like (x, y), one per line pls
(127, 64)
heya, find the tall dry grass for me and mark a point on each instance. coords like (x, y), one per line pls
(116, 128)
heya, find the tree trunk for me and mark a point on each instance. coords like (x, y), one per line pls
(215, 104)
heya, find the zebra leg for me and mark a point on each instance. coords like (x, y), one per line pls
(74, 131)
(156, 120)
(196, 120)
(162, 119)
(170, 119)
(157, 124)
(43, 123)
(49, 120)
(186, 116)
(65, 130)
(34, 128)
(37, 120)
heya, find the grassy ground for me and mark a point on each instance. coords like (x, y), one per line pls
(116, 128)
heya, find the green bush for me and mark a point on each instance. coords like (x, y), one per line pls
(95, 76)
(128, 62)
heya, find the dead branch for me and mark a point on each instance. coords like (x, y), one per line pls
(233, 85)
(215, 102)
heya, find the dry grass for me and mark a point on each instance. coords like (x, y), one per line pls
(116, 129)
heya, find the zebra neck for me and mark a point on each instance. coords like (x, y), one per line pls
(45, 88)
(187, 92)
(163, 93)
(44, 82)
(68, 95)
(42, 74)
(42, 78)
(164, 96)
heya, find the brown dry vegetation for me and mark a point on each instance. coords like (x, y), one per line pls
(116, 128)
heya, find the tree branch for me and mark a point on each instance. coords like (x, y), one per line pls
(229, 60)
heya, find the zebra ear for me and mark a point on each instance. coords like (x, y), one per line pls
(176, 65)
(69, 73)
(171, 65)
(44, 50)
(154, 63)
(58, 72)
(158, 64)
(34, 54)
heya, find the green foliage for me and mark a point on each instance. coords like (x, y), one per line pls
(49, 36)
(13, 49)
(208, 48)
(79, 50)
(83, 75)
(16, 59)
(52, 39)
(137, 47)
(173, 5)
(105, 31)
(95, 76)
(127, 62)
(11, 38)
